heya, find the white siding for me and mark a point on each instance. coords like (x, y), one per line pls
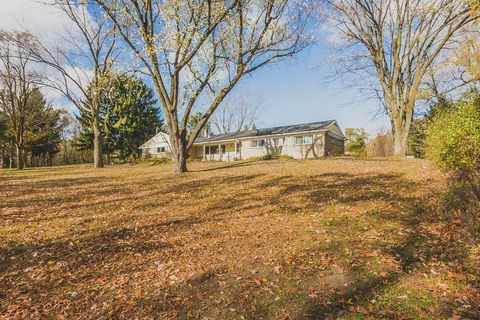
(313, 150)
(160, 141)
(245, 149)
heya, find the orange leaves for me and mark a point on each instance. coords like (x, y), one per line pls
(270, 240)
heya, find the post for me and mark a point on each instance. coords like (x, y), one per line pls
(219, 152)
(235, 157)
(204, 156)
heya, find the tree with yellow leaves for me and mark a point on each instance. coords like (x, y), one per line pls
(197, 51)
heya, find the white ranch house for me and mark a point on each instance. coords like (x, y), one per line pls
(301, 141)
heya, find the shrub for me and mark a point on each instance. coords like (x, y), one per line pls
(133, 158)
(162, 160)
(416, 138)
(417, 135)
(453, 141)
(356, 141)
(271, 157)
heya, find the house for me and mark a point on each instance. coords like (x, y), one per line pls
(301, 141)
(158, 146)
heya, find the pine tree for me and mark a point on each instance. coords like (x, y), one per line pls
(128, 116)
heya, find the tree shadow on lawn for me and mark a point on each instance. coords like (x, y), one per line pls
(411, 252)
(89, 257)
(222, 166)
(408, 211)
(413, 216)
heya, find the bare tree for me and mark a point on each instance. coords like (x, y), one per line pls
(82, 62)
(196, 51)
(17, 81)
(397, 41)
(237, 112)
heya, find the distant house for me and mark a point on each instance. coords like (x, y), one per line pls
(301, 141)
(158, 146)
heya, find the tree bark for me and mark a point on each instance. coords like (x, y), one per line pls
(180, 163)
(20, 158)
(179, 152)
(400, 131)
(97, 142)
(65, 155)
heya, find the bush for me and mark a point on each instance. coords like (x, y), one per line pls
(417, 135)
(453, 141)
(356, 141)
(162, 160)
(416, 138)
(271, 157)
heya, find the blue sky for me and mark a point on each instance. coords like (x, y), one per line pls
(293, 91)
(298, 91)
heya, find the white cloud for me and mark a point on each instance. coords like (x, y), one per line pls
(34, 15)
(48, 24)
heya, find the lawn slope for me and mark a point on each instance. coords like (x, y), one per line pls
(334, 238)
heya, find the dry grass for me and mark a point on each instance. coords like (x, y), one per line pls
(335, 238)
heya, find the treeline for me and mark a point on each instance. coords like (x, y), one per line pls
(37, 134)
(32, 135)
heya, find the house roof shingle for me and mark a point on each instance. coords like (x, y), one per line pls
(304, 127)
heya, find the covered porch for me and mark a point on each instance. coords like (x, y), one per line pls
(218, 151)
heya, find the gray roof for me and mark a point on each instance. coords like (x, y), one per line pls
(304, 127)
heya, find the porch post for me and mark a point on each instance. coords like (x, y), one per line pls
(204, 156)
(219, 152)
(235, 157)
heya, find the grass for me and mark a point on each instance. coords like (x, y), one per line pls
(322, 239)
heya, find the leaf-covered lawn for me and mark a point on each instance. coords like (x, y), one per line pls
(321, 239)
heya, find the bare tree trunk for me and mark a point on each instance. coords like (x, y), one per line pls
(179, 152)
(10, 156)
(65, 154)
(97, 142)
(400, 131)
(20, 158)
(180, 159)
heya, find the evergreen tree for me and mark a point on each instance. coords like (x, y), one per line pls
(45, 136)
(128, 115)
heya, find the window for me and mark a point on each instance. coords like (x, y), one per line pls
(160, 149)
(211, 150)
(258, 143)
(303, 140)
(277, 142)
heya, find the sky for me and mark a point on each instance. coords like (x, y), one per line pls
(294, 91)
(300, 91)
